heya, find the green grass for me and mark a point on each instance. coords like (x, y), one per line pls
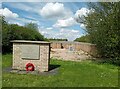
(70, 74)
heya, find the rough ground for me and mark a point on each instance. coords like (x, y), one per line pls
(66, 54)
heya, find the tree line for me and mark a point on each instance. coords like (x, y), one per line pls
(16, 32)
(57, 39)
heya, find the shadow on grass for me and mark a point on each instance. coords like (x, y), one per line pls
(53, 67)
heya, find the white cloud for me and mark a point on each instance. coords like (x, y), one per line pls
(21, 21)
(69, 34)
(15, 22)
(74, 31)
(8, 14)
(29, 7)
(27, 20)
(80, 14)
(83, 26)
(13, 18)
(76, 19)
(65, 23)
(26, 7)
(55, 10)
(49, 28)
(47, 32)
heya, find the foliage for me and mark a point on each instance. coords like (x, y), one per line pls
(83, 39)
(103, 26)
(16, 32)
(32, 26)
(69, 74)
(55, 39)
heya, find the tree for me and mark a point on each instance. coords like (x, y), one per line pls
(83, 39)
(16, 32)
(32, 26)
(103, 27)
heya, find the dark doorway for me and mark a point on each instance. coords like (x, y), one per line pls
(62, 46)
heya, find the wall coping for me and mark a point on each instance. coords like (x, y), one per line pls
(32, 42)
(72, 42)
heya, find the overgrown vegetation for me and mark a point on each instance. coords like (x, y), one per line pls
(83, 39)
(103, 28)
(70, 74)
(16, 32)
(56, 39)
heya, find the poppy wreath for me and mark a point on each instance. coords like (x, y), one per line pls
(29, 67)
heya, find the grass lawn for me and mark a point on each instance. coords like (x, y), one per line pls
(70, 74)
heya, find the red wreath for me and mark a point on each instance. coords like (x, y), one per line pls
(29, 67)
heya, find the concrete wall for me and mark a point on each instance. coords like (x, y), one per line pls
(41, 64)
(87, 47)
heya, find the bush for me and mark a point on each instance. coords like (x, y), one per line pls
(103, 27)
(104, 30)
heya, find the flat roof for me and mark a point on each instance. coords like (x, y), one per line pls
(28, 41)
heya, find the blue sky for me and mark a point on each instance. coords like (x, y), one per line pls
(55, 20)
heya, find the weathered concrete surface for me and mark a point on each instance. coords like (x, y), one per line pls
(64, 54)
(41, 60)
(76, 46)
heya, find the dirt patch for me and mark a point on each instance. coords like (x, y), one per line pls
(66, 54)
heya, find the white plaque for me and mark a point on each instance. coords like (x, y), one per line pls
(30, 51)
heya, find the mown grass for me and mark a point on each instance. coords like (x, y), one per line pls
(70, 74)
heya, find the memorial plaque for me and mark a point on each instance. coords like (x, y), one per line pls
(30, 51)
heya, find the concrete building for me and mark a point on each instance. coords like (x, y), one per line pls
(75, 46)
(35, 52)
